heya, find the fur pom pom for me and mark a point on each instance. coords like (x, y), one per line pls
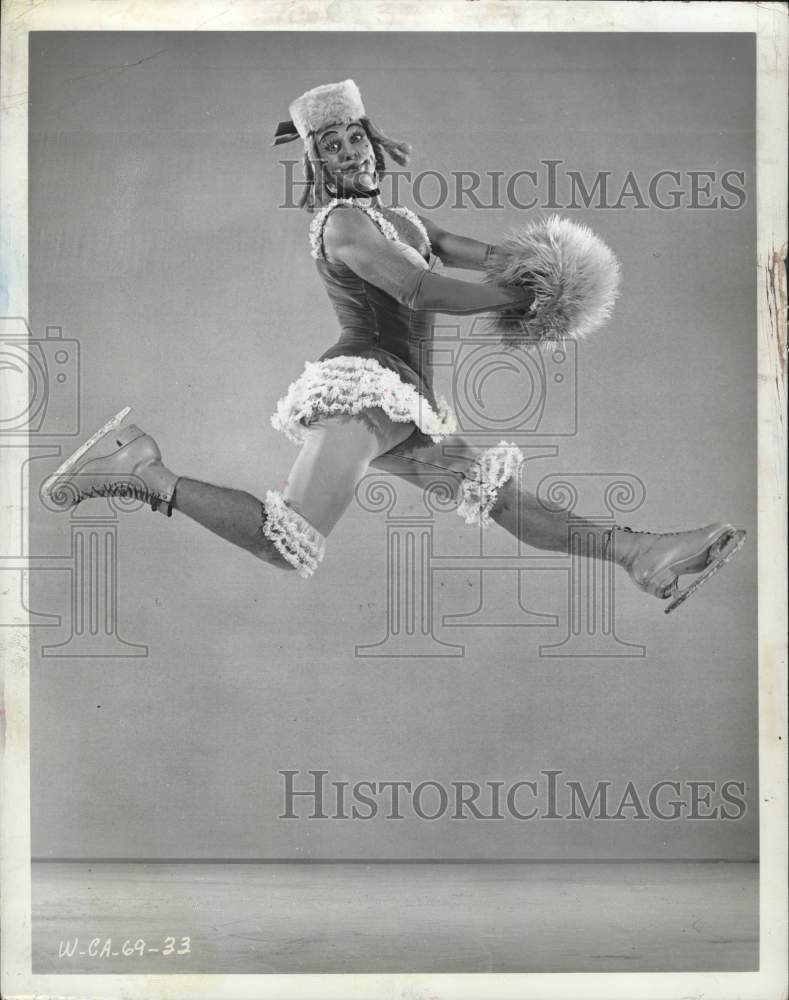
(573, 274)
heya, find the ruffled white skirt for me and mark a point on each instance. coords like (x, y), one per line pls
(350, 385)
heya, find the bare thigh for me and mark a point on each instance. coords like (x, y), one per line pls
(333, 458)
(415, 458)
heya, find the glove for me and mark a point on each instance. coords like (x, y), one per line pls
(422, 290)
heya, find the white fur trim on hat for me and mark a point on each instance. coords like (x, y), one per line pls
(329, 104)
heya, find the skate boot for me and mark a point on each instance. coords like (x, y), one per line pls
(114, 462)
(655, 561)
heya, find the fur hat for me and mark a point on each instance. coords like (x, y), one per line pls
(329, 104)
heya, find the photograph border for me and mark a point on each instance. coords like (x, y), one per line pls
(769, 23)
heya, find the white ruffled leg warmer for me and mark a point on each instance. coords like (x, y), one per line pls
(293, 536)
(481, 484)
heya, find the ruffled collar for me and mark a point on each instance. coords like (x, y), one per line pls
(374, 212)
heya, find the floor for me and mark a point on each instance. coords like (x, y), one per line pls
(359, 917)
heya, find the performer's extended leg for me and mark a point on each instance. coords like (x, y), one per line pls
(319, 487)
(234, 515)
(286, 529)
(335, 455)
(289, 529)
(490, 489)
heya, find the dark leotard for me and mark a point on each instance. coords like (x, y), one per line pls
(381, 358)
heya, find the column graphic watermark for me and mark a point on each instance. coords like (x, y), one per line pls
(528, 398)
(45, 374)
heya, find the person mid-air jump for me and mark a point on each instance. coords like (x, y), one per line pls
(369, 399)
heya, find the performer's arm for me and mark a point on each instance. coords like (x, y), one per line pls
(458, 251)
(351, 237)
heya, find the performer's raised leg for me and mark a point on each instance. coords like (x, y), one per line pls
(490, 490)
(287, 529)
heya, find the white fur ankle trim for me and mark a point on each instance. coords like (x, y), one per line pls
(480, 486)
(294, 537)
(350, 384)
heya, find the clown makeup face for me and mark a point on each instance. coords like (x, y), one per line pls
(348, 156)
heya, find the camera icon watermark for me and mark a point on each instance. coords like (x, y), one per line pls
(501, 396)
(41, 381)
(520, 393)
(40, 396)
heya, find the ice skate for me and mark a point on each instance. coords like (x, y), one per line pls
(114, 462)
(655, 561)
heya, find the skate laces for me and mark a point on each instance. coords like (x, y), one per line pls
(125, 491)
(659, 533)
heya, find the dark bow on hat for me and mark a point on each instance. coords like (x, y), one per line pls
(286, 132)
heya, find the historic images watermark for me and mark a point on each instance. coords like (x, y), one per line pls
(313, 794)
(552, 185)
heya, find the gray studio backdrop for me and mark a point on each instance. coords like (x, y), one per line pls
(159, 242)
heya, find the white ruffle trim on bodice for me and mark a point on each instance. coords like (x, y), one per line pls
(386, 227)
(349, 385)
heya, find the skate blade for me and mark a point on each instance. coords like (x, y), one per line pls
(734, 545)
(72, 460)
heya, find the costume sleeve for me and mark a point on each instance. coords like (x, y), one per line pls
(353, 238)
(423, 290)
(458, 251)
